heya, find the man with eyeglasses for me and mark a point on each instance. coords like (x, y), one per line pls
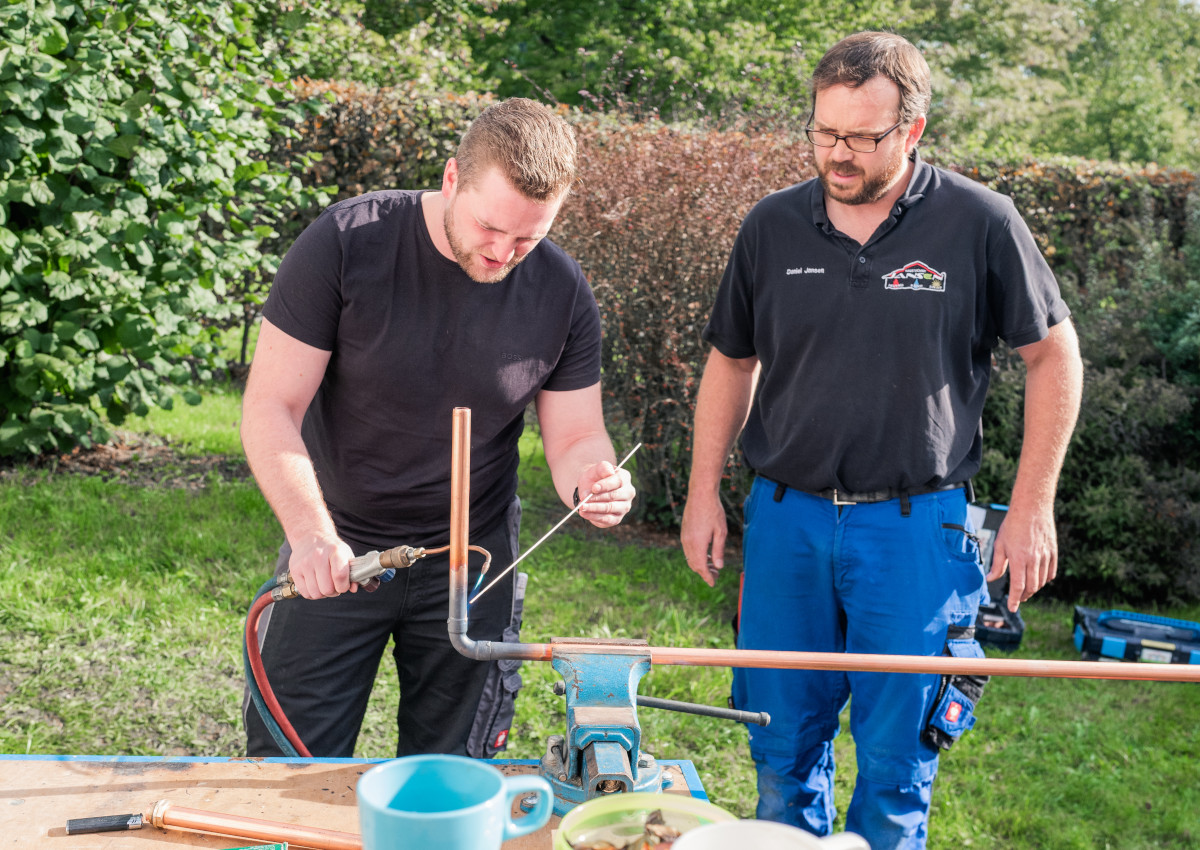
(852, 337)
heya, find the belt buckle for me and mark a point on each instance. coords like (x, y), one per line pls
(838, 501)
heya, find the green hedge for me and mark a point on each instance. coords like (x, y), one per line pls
(653, 219)
(1125, 245)
(135, 193)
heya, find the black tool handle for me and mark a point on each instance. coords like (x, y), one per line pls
(759, 718)
(108, 823)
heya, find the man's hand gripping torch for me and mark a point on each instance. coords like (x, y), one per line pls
(367, 571)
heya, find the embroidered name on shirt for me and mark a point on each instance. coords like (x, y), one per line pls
(808, 270)
(916, 276)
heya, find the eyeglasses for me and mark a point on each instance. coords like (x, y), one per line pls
(858, 144)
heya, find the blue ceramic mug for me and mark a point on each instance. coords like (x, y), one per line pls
(447, 802)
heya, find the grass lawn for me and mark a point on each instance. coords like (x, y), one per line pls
(123, 592)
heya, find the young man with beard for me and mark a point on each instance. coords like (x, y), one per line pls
(388, 312)
(852, 337)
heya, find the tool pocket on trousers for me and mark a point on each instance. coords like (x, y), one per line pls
(957, 697)
(957, 534)
(497, 703)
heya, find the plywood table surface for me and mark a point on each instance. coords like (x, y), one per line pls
(38, 795)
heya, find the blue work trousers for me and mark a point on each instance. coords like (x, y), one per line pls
(863, 578)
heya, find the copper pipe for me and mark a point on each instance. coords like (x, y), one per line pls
(923, 664)
(936, 664)
(460, 503)
(460, 489)
(939, 664)
(167, 816)
(486, 650)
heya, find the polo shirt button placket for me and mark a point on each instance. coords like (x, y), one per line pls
(859, 275)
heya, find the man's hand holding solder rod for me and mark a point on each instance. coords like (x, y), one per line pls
(605, 494)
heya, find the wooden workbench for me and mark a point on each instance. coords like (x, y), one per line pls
(39, 794)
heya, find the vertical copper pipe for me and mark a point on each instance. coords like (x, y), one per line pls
(460, 508)
(460, 488)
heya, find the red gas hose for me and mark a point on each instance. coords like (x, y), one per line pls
(260, 675)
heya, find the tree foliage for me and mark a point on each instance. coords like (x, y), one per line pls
(133, 195)
(1105, 79)
(422, 45)
(1137, 80)
(682, 58)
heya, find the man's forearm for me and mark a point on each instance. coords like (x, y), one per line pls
(285, 475)
(1053, 389)
(722, 405)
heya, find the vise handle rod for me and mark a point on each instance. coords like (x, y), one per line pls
(758, 718)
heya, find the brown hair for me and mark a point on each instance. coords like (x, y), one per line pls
(860, 57)
(533, 148)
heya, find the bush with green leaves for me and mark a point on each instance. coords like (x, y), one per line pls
(134, 193)
(1125, 245)
(380, 43)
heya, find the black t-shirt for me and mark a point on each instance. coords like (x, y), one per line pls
(876, 358)
(412, 337)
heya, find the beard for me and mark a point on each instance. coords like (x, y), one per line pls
(467, 259)
(873, 186)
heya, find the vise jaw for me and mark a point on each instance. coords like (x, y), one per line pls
(601, 752)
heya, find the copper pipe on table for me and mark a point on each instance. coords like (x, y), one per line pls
(167, 816)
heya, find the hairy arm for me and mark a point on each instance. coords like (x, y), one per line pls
(1027, 543)
(722, 406)
(284, 377)
(580, 454)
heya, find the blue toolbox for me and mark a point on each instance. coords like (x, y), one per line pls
(1128, 636)
(995, 625)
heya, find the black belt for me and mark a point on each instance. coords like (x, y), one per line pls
(843, 497)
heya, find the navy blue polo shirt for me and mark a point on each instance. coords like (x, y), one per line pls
(876, 357)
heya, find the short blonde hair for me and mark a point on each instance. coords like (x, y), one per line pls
(533, 148)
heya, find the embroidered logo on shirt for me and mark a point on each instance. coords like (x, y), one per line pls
(917, 276)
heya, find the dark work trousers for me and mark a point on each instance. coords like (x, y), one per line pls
(321, 655)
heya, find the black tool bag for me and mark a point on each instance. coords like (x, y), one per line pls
(954, 707)
(497, 704)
